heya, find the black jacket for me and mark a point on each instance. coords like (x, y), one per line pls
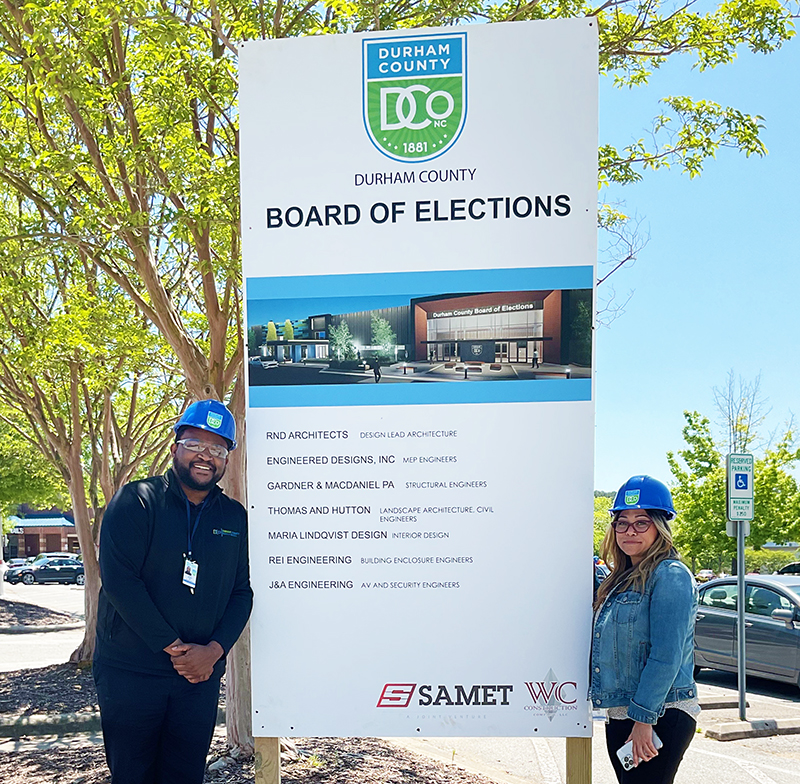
(143, 605)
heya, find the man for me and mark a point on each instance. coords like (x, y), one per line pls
(175, 598)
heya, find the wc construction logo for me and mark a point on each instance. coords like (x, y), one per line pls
(552, 696)
(415, 94)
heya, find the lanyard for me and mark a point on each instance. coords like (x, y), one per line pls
(192, 530)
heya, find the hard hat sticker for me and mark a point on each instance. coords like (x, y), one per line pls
(214, 420)
(631, 497)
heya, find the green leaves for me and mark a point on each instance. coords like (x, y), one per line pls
(27, 476)
(686, 136)
(699, 493)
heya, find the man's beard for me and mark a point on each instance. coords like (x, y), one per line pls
(184, 472)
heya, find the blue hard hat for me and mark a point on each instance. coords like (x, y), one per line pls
(210, 415)
(644, 492)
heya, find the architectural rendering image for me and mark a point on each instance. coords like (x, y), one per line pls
(450, 337)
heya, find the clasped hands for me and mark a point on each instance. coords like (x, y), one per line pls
(194, 662)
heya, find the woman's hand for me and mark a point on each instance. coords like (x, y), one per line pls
(642, 737)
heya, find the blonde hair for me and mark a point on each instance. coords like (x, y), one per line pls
(624, 574)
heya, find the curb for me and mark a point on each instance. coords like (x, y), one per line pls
(63, 627)
(711, 703)
(59, 724)
(758, 728)
(49, 724)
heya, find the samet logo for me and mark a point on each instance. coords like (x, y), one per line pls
(415, 94)
(214, 420)
(631, 497)
(552, 695)
(399, 695)
(396, 695)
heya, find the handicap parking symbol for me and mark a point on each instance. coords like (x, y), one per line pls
(740, 481)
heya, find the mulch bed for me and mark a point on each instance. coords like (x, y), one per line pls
(60, 688)
(23, 614)
(321, 761)
(66, 688)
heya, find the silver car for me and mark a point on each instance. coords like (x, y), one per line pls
(772, 623)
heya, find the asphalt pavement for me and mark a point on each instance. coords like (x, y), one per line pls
(41, 649)
(63, 598)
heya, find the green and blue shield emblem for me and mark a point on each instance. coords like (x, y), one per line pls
(213, 420)
(631, 497)
(415, 94)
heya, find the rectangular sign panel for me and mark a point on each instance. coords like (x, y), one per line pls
(418, 221)
(741, 504)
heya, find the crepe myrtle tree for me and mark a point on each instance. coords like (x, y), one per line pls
(84, 382)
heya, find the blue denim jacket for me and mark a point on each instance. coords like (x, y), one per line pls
(643, 645)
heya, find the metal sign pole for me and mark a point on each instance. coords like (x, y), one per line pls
(739, 471)
(742, 659)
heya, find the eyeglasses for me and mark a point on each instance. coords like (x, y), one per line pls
(640, 526)
(195, 445)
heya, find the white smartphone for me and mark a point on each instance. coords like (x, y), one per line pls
(625, 753)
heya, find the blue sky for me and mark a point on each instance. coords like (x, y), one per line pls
(717, 286)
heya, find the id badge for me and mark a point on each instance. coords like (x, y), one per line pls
(190, 573)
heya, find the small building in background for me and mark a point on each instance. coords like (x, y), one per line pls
(43, 532)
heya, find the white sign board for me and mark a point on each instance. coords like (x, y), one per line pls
(418, 221)
(739, 469)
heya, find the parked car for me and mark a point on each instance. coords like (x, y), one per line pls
(772, 622)
(12, 562)
(704, 575)
(790, 568)
(48, 570)
(42, 556)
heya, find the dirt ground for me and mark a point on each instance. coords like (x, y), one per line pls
(320, 761)
(66, 688)
(61, 688)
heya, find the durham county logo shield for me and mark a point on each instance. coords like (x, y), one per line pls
(214, 420)
(631, 497)
(415, 94)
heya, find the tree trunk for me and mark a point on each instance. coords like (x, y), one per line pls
(238, 697)
(91, 568)
(85, 651)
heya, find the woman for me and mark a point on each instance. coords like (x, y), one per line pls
(643, 640)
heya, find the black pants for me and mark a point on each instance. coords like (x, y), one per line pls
(676, 730)
(157, 729)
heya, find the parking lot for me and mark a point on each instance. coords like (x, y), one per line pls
(63, 598)
(22, 651)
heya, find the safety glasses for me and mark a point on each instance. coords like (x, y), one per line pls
(195, 445)
(640, 526)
